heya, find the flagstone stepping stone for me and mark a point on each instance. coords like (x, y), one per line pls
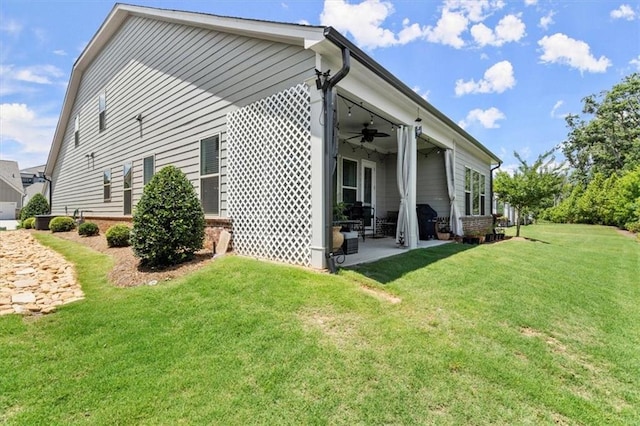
(223, 242)
(23, 298)
(25, 283)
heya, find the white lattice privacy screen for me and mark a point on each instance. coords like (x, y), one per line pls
(269, 177)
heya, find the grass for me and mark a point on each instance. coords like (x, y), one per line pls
(538, 331)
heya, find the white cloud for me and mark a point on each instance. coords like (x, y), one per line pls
(496, 79)
(509, 29)
(423, 94)
(635, 63)
(474, 10)
(38, 74)
(367, 29)
(547, 20)
(623, 12)
(562, 49)
(31, 131)
(487, 118)
(60, 52)
(11, 26)
(455, 18)
(448, 29)
(530, 2)
(484, 56)
(555, 108)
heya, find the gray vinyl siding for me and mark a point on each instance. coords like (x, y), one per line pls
(465, 159)
(9, 193)
(431, 187)
(183, 81)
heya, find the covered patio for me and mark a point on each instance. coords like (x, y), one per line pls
(372, 249)
(393, 168)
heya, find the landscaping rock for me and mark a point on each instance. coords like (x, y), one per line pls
(33, 279)
(23, 298)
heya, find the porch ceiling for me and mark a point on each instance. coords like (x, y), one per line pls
(354, 114)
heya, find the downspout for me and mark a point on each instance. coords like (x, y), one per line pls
(491, 186)
(50, 191)
(331, 149)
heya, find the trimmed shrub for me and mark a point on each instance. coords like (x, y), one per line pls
(88, 229)
(36, 205)
(118, 236)
(29, 223)
(168, 223)
(633, 227)
(62, 224)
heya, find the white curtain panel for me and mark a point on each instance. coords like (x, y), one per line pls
(454, 216)
(403, 185)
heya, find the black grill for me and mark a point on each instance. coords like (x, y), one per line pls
(427, 218)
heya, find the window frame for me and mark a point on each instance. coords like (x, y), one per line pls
(342, 186)
(145, 181)
(107, 179)
(102, 111)
(475, 192)
(204, 176)
(127, 190)
(76, 130)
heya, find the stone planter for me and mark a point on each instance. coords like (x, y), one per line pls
(443, 235)
(338, 238)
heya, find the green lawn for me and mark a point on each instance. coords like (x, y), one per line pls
(538, 331)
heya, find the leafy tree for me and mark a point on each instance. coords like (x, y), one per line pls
(610, 141)
(36, 205)
(168, 222)
(531, 187)
(625, 199)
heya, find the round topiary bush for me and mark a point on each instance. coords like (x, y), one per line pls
(168, 223)
(88, 229)
(62, 224)
(29, 223)
(36, 205)
(118, 236)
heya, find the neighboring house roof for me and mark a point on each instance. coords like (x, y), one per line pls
(33, 170)
(33, 189)
(307, 36)
(10, 173)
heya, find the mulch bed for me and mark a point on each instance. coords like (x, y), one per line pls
(127, 271)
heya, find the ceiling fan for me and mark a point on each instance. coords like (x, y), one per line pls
(368, 134)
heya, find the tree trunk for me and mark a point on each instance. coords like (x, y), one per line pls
(517, 222)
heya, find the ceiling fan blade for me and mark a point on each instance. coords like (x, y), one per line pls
(381, 135)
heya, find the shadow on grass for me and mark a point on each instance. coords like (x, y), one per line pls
(202, 256)
(391, 268)
(532, 240)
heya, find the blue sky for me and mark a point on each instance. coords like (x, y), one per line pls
(507, 71)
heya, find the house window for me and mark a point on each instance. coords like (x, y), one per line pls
(210, 175)
(467, 192)
(126, 173)
(482, 194)
(349, 181)
(102, 110)
(76, 133)
(474, 193)
(148, 169)
(106, 182)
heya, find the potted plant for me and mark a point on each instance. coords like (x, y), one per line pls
(489, 234)
(338, 215)
(444, 233)
(474, 237)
